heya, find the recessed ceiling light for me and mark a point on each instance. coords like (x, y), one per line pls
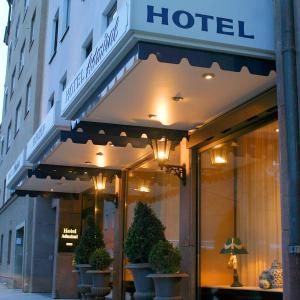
(277, 130)
(209, 76)
(152, 117)
(52, 190)
(177, 98)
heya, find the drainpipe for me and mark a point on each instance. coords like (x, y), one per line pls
(297, 41)
(289, 118)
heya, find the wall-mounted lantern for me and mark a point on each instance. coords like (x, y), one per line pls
(161, 151)
(99, 182)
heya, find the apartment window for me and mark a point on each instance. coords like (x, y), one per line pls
(22, 58)
(2, 147)
(17, 31)
(54, 35)
(87, 46)
(26, 2)
(18, 118)
(9, 52)
(112, 14)
(28, 97)
(32, 29)
(51, 102)
(66, 16)
(5, 100)
(1, 248)
(13, 82)
(8, 138)
(9, 247)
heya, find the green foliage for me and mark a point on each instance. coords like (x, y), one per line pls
(100, 259)
(164, 258)
(145, 231)
(90, 240)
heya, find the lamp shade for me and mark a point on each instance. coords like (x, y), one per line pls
(234, 246)
(161, 149)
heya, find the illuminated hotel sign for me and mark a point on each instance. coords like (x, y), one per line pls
(68, 240)
(239, 27)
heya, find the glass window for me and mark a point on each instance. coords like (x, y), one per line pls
(66, 14)
(161, 191)
(55, 34)
(32, 28)
(22, 58)
(9, 52)
(51, 102)
(17, 31)
(1, 248)
(26, 3)
(13, 82)
(88, 48)
(9, 137)
(9, 247)
(5, 100)
(28, 97)
(240, 199)
(18, 118)
(112, 14)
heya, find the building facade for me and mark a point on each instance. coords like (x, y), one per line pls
(192, 110)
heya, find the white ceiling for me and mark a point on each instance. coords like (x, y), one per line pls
(149, 87)
(70, 154)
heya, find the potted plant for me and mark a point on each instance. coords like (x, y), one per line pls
(100, 261)
(90, 240)
(165, 261)
(145, 232)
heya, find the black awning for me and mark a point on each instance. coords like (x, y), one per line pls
(174, 55)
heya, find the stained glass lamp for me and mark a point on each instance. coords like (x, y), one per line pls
(234, 246)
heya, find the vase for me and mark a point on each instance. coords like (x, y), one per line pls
(277, 273)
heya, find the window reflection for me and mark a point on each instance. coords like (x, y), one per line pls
(240, 198)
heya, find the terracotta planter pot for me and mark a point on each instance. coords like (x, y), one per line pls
(101, 281)
(167, 286)
(143, 285)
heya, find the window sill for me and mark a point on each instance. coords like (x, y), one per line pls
(52, 57)
(64, 34)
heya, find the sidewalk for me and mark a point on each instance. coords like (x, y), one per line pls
(13, 294)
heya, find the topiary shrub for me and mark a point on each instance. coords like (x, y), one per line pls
(90, 240)
(100, 259)
(145, 231)
(164, 258)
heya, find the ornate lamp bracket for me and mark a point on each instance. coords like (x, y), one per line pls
(179, 171)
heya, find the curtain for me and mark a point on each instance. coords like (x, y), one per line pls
(257, 195)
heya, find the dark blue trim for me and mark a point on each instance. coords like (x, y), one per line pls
(205, 59)
(174, 55)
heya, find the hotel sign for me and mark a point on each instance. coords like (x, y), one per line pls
(94, 61)
(68, 239)
(242, 27)
(233, 26)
